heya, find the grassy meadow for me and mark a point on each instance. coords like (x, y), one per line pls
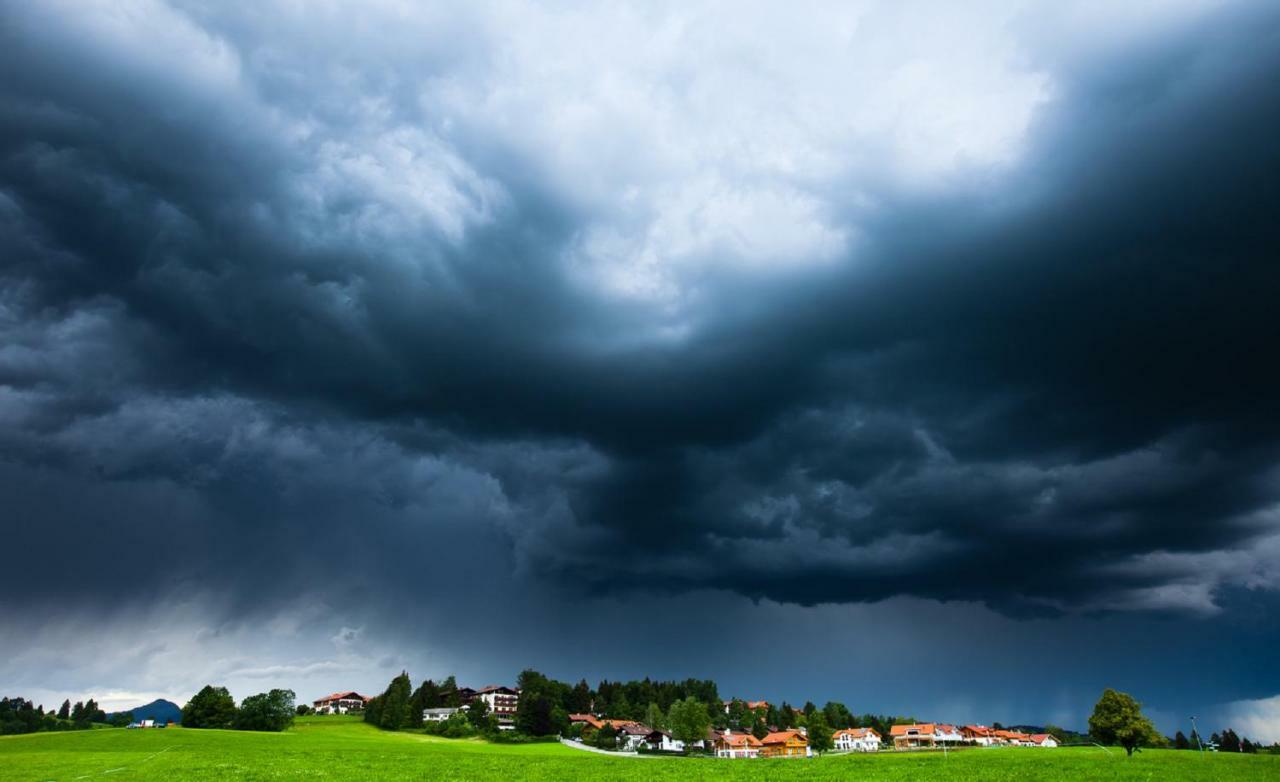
(343, 748)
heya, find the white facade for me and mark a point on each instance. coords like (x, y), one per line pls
(663, 741)
(339, 703)
(857, 740)
(438, 715)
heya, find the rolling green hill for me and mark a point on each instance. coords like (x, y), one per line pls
(344, 749)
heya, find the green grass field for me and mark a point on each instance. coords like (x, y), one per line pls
(346, 749)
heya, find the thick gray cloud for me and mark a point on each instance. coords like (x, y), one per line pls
(867, 304)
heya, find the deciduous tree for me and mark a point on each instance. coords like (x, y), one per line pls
(1117, 719)
(271, 711)
(212, 707)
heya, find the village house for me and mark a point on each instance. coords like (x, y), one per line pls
(502, 702)
(340, 703)
(785, 744)
(661, 740)
(439, 715)
(728, 744)
(914, 736)
(979, 735)
(1043, 740)
(1013, 738)
(857, 740)
(948, 735)
(632, 734)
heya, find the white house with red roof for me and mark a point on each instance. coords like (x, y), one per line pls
(340, 703)
(856, 740)
(1043, 740)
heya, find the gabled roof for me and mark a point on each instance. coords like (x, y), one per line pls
(496, 688)
(924, 729)
(338, 696)
(783, 736)
(600, 722)
(740, 740)
(856, 733)
(1041, 737)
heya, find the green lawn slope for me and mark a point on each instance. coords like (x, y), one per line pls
(342, 748)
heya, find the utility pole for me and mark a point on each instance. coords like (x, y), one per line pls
(1199, 743)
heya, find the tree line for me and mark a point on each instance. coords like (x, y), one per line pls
(20, 715)
(213, 707)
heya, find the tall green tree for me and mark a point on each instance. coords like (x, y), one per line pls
(759, 729)
(449, 696)
(1180, 741)
(837, 715)
(819, 732)
(270, 711)
(373, 711)
(427, 696)
(580, 698)
(64, 711)
(1117, 719)
(689, 720)
(395, 703)
(479, 717)
(534, 708)
(654, 718)
(1230, 742)
(212, 707)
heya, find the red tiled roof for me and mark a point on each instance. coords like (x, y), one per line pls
(783, 736)
(856, 733)
(740, 740)
(924, 729)
(342, 696)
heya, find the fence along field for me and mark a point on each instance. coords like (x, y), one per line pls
(344, 748)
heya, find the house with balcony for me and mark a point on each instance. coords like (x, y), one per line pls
(978, 735)
(340, 703)
(785, 744)
(728, 744)
(921, 736)
(856, 740)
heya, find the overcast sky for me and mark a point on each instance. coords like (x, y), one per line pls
(921, 357)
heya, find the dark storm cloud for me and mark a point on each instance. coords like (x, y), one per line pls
(284, 303)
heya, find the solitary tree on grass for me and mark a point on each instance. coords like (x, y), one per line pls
(1117, 719)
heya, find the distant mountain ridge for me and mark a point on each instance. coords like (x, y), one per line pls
(159, 710)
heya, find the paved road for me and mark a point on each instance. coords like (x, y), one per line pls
(585, 748)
